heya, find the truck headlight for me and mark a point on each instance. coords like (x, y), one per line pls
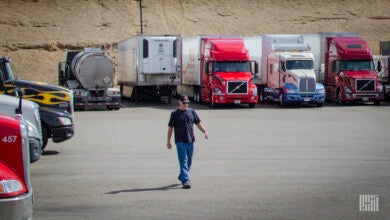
(380, 88)
(218, 91)
(347, 89)
(10, 187)
(254, 91)
(322, 91)
(64, 105)
(65, 121)
(32, 130)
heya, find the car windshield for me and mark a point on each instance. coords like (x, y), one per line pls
(231, 67)
(299, 64)
(357, 65)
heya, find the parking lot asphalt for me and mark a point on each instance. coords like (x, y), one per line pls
(264, 163)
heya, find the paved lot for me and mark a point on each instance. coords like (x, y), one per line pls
(263, 163)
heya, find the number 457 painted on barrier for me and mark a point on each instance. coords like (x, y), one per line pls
(9, 139)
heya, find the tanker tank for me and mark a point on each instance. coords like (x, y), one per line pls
(93, 69)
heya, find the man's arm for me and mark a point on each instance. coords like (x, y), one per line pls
(170, 131)
(202, 129)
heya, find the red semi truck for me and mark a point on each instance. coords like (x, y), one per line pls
(16, 196)
(346, 62)
(218, 70)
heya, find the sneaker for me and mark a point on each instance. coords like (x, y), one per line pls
(186, 185)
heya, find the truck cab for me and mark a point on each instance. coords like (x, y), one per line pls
(226, 72)
(9, 105)
(55, 103)
(291, 77)
(16, 192)
(349, 71)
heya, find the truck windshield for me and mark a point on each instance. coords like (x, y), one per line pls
(299, 64)
(357, 65)
(6, 72)
(232, 67)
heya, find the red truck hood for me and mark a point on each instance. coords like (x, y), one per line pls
(234, 76)
(361, 74)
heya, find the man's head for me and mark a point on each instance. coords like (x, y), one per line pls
(184, 101)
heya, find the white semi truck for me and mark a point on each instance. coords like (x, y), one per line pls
(286, 74)
(90, 75)
(149, 65)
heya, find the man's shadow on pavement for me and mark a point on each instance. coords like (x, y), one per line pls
(163, 188)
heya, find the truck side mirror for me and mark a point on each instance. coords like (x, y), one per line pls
(208, 68)
(276, 67)
(322, 68)
(254, 67)
(379, 66)
(20, 93)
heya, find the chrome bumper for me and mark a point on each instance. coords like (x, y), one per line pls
(20, 207)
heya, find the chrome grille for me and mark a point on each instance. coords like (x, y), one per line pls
(237, 87)
(307, 85)
(365, 85)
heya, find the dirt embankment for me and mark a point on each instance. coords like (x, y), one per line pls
(36, 33)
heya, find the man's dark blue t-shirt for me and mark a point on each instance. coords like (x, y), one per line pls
(182, 122)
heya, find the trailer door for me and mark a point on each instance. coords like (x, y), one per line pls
(159, 57)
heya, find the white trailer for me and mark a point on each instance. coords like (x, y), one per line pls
(149, 65)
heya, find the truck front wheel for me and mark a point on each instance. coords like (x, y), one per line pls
(339, 99)
(212, 103)
(261, 95)
(281, 99)
(45, 136)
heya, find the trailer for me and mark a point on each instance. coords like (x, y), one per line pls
(90, 75)
(149, 66)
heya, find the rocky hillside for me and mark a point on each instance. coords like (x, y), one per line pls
(36, 33)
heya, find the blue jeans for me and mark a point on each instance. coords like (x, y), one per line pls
(184, 153)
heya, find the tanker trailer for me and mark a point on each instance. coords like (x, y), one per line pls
(90, 75)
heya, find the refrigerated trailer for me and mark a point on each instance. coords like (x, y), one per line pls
(149, 65)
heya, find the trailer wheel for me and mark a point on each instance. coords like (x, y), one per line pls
(196, 95)
(170, 93)
(134, 95)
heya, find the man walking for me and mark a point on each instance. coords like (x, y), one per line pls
(181, 122)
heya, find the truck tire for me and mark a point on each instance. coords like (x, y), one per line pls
(338, 98)
(45, 136)
(377, 102)
(281, 99)
(320, 104)
(261, 95)
(252, 105)
(170, 94)
(212, 103)
(196, 95)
